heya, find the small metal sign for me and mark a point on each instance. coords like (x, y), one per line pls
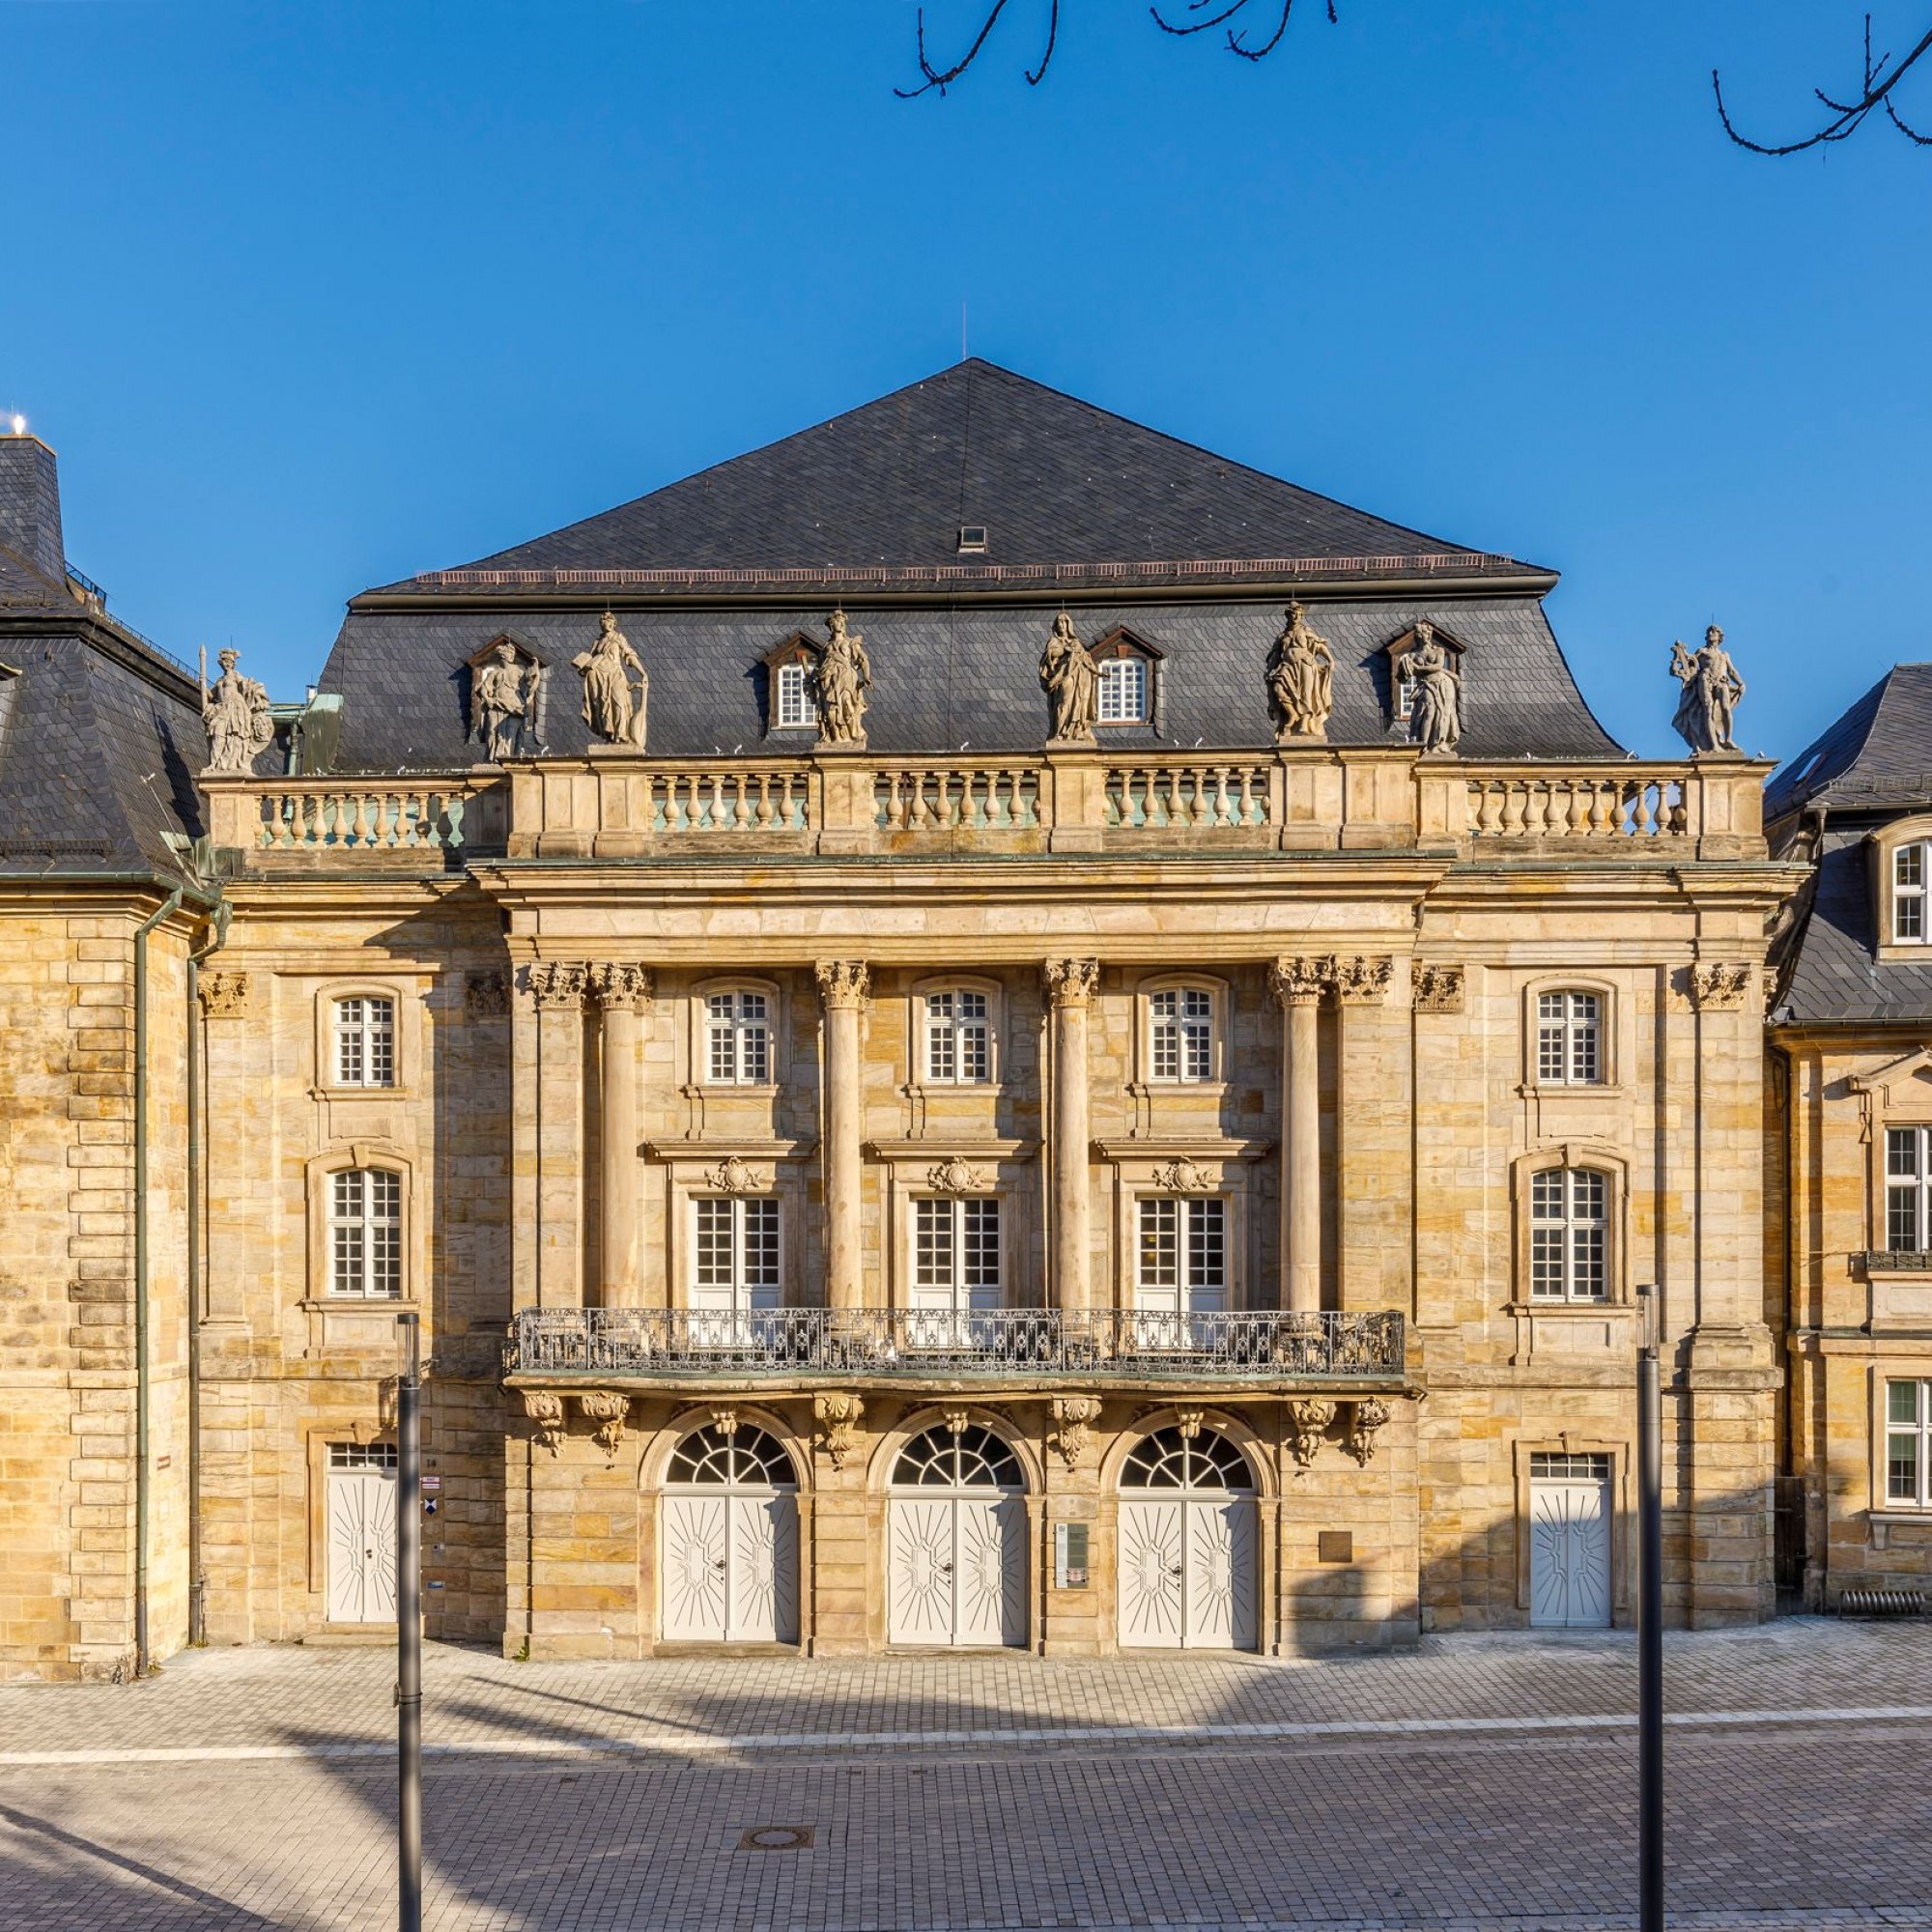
(432, 1486)
(1070, 1556)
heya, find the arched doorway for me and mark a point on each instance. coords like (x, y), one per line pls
(728, 1531)
(1189, 1535)
(956, 1541)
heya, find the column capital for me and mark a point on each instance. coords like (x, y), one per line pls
(1301, 979)
(557, 985)
(1718, 984)
(1362, 979)
(1435, 986)
(619, 984)
(843, 983)
(1070, 983)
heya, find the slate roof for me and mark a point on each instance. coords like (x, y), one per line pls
(1836, 974)
(943, 677)
(1055, 481)
(1879, 754)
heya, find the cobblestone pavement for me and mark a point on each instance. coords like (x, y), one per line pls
(1485, 1782)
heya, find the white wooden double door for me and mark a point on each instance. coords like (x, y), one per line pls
(1570, 1544)
(731, 1566)
(1188, 1573)
(956, 1569)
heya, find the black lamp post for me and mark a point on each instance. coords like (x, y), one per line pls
(1649, 1619)
(408, 1626)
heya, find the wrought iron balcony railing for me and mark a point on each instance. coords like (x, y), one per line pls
(1104, 1343)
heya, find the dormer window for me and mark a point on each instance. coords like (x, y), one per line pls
(972, 539)
(1911, 868)
(1122, 692)
(1405, 698)
(791, 695)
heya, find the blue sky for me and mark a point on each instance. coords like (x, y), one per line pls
(309, 297)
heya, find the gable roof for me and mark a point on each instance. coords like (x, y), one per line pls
(1069, 493)
(1877, 755)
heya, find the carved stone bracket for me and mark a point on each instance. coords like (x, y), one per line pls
(1070, 983)
(957, 1177)
(843, 982)
(1365, 1418)
(1189, 1423)
(838, 1416)
(555, 985)
(735, 1176)
(1720, 984)
(1301, 980)
(486, 996)
(1435, 988)
(615, 983)
(726, 1422)
(545, 1409)
(224, 996)
(1184, 1176)
(1073, 1420)
(957, 1420)
(1308, 1420)
(1362, 979)
(606, 1409)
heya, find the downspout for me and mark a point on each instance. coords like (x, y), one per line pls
(197, 1578)
(141, 1483)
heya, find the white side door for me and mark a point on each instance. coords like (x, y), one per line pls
(1153, 1567)
(361, 1551)
(919, 1594)
(1219, 1586)
(694, 1532)
(1569, 1553)
(762, 1569)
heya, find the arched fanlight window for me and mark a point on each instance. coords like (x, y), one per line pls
(1167, 1460)
(748, 1457)
(975, 1458)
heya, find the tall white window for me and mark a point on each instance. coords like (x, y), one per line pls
(1183, 1254)
(794, 704)
(958, 1039)
(1122, 691)
(957, 1253)
(1181, 1019)
(1907, 1190)
(1569, 1039)
(1569, 1235)
(1908, 1443)
(365, 1041)
(738, 1039)
(1404, 689)
(365, 1231)
(1910, 866)
(737, 1253)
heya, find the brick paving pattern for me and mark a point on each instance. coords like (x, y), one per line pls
(973, 1792)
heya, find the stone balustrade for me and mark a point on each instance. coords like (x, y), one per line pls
(619, 804)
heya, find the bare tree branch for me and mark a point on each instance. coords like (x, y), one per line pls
(1880, 77)
(1235, 44)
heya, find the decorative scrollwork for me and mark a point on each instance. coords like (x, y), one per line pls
(838, 1416)
(1301, 980)
(1307, 1421)
(1720, 984)
(1435, 988)
(1365, 1418)
(1070, 983)
(545, 1409)
(606, 1409)
(1073, 1419)
(1362, 980)
(557, 985)
(735, 1176)
(1184, 1177)
(224, 996)
(957, 1177)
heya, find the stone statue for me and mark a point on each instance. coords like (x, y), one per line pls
(503, 704)
(1301, 680)
(235, 712)
(1068, 676)
(1712, 689)
(611, 709)
(844, 676)
(1435, 718)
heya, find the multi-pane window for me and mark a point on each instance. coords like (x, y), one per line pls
(365, 1041)
(1122, 690)
(737, 1258)
(738, 1039)
(365, 1231)
(1569, 1039)
(1907, 1190)
(958, 1039)
(1569, 1235)
(794, 704)
(1184, 1252)
(1910, 866)
(1404, 689)
(1182, 1022)
(956, 1253)
(1908, 1443)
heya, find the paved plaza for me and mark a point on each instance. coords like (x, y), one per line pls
(1485, 1782)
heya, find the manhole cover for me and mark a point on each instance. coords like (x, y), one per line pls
(775, 1838)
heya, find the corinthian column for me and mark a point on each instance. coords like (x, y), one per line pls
(841, 989)
(1299, 984)
(1069, 986)
(622, 992)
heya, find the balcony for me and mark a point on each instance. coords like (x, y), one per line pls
(1012, 1346)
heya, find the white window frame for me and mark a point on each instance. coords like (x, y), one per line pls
(365, 1233)
(1572, 1036)
(792, 702)
(1915, 1434)
(943, 1280)
(735, 1030)
(1195, 1222)
(1913, 899)
(362, 1040)
(1582, 1248)
(1907, 1193)
(1184, 1046)
(1120, 689)
(956, 1043)
(1401, 696)
(742, 1293)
